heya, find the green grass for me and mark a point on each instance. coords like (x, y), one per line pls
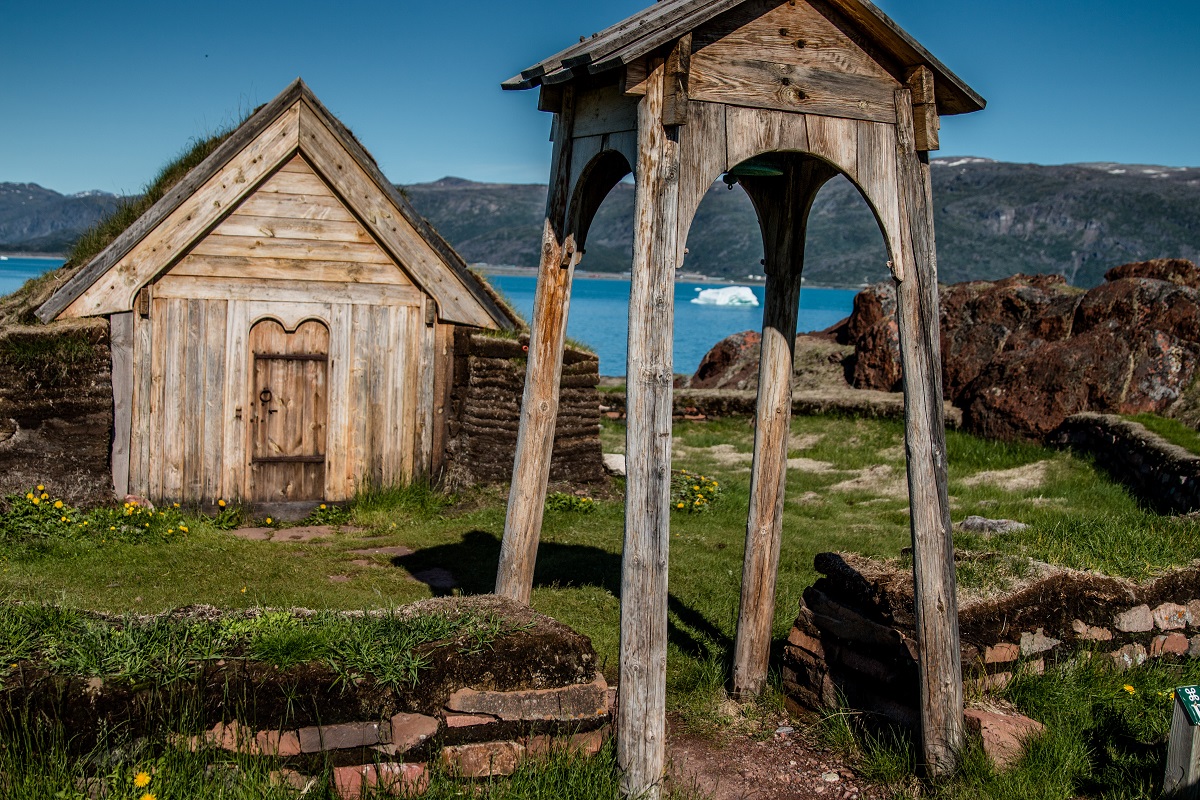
(1077, 517)
(387, 647)
(1172, 430)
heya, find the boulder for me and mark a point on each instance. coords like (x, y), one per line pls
(1022, 354)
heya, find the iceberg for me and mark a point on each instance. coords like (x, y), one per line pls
(726, 296)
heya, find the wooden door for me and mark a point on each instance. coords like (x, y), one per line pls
(289, 402)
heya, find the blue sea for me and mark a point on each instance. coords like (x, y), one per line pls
(599, 313)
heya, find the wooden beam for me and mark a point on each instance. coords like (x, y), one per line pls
(926, 122)
(936, 604)
(120, 343)
(675, 95)
(539, 405)
(783, 204)
(641, 721)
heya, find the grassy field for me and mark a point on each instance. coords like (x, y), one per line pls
(846, 491)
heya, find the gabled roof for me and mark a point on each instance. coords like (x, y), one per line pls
(295, 121)
(667, 20)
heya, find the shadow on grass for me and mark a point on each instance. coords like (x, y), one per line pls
(470, 566)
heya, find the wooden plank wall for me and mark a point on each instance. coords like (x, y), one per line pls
(290, 252)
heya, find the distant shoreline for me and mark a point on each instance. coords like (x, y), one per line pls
(34, 256)
(680, 277)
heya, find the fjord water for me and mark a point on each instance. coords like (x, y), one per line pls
(15, 271)
(599, 314)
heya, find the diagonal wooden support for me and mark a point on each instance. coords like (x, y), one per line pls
(936, 600)
(783, 204)
(539, 405)
(641, 720)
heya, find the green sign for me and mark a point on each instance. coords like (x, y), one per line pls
(1189, 698)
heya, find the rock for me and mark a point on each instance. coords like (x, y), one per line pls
(1090, 633)
(1194, 647)
(614, 464)
(409, 730)
(732, 360)
(1136, 620)
(976, 524)
(567, 703)
(1001, 653)
(1131, 655)
(1171, 617)
(483, 759)
(1037, 642)
(1022, 354)
(831, 777)
(1174, 270)
(317, 738)
(372, 780)
(1175, 644)
(1004, 735)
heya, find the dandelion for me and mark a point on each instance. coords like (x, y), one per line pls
(1129, 689)
(29, 495)
(112, 527)
(148, 796)
(183, 529)
(322, 506)
(45, 496)
(36, 501)
(58, 503)
(679, 505)
(221, 503)
(268, 520)
(243, 590)
(141, 780)
(175, 505)
(170, 530)
(62, 519)
(41, 488)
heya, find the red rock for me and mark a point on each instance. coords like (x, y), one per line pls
(566, 703)
(483, 759)
(409, 730)
(397, 780)
(733, 359)
(1171, 617)
(588, 744)
(1175, 644)
(1004, 735)
(1136, 620)
(1001, 653)
(278, 743)
(468, 720)
(1174, 270)
(810, 643)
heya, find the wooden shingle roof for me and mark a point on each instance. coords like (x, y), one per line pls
(668, 20)
(444, 276)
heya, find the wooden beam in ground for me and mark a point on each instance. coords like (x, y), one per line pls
(120, 337)
(539, 405)
(936, 602)
(783, 204)
(641, 720)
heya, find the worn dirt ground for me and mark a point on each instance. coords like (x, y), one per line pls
(779, 761)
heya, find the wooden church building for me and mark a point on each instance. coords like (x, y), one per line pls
(281, 322)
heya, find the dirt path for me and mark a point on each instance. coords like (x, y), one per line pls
(778, 761)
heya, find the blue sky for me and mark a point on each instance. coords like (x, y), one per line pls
(99, 95)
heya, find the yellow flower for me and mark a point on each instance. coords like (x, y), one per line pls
(176, 505)
(36, 501)
(716, 484)
(112, 527)
(29, 495)
(58, 503)
(148, 796)
(45, 496)
(1129, 689)
(268, 520)
(322, 506)
(141, 780)
(243, 590)
(221, 503)
(170, 530)
(62, 519)
(183, 528)
(41, 488)
(680, 505)
(695, 488)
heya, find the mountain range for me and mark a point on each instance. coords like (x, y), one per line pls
(992, 219)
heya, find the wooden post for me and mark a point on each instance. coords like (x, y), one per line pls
(925, 441)
(641, 721)
(783, 204)
(1182, 777)
(539, 405)
(120, 337)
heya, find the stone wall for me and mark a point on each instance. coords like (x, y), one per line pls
(854, 636)
(478, 711)
(1163, 475)
(56, 410)
(485, 410)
